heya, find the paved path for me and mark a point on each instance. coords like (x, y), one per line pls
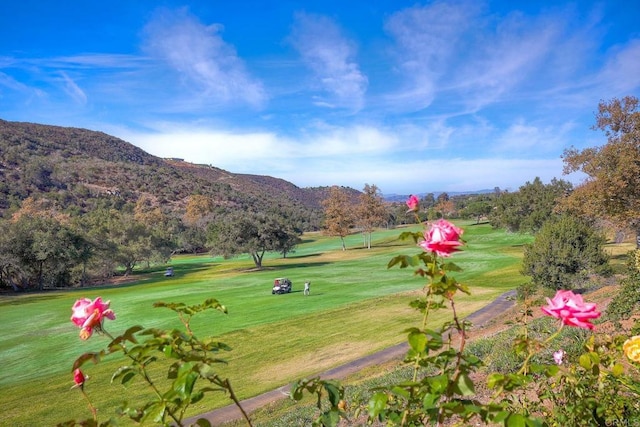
(231, 412)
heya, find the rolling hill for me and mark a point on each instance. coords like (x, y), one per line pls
(74, 166)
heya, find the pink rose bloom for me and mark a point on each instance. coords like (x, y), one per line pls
(571, 309)
(88, 315)
(443, 238)
(413, 203)
(558, 356)
(78, 377)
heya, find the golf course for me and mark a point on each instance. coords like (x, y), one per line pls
(356, 306)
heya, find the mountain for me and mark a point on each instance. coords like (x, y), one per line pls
(74, 166)
(404, 197)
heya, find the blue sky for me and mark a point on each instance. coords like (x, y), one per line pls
(410, 96)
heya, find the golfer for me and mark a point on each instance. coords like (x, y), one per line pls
(306, 288)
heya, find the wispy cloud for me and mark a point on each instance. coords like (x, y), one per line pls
(621, 73)
(204, 61)
(444, 94)
(522, 138)
(72, 89)
(427, 39)
(331, 57)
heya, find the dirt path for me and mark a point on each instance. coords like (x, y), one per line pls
(229, 413)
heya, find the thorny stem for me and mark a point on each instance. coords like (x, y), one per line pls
(91, 407)
(425, 317)
(525, 364)
(227, 385)
(463, 339)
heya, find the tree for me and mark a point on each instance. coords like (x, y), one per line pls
(565, 252)
(527, 209)
(338, 214)
(371, 211)
(479, 207)
(252, 233)
(39, 252)
(612, 187)
(197, 209)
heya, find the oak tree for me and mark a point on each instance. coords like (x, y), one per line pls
(527, 209)
(338, 214)
(612, 187)
(371, 211)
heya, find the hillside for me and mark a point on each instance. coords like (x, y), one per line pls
(73, 165)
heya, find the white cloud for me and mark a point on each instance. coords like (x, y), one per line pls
(356, 155)
(72, 89)
(621, 73)
(10, 83)
(427, 40)
(201, 57)
(522, 137)
(332, 59)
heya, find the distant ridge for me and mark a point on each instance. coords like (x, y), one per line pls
(404, 197)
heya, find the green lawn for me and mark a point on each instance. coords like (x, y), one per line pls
(356, 306)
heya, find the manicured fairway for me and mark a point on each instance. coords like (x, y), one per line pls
(356, 306)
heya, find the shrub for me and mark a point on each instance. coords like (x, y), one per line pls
(626, 301)
(565, 252)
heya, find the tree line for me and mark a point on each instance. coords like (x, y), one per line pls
(47, 242)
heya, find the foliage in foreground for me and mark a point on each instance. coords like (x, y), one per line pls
(546, 385)
(544, 388)
(193, 361)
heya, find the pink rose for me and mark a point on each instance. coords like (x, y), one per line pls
(571, 309)
(78, 377)
(88, 315)
(443, 238)
(413, 203)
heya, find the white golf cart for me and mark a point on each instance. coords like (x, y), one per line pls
(281, 285)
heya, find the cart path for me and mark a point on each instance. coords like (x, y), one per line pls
(231, 412)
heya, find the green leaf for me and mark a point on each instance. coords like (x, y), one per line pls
(464, 385)
(450, 266)
(400, 391)
(617, 370)
(197, 396)
(125, 372)
(334, 392)
(377, 404)
(585, 361)
(516, 420)
(406, 235)
(438, 383)
(183, 385)
(155, 412)
(94, 357)
(500, 416)
(330, 418)
(203, 422)
(430, 401)
(404, 261)
(494, 379)
(417, 341)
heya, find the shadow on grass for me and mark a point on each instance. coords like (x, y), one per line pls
(44, 296)
(286, 267)
(317, 254)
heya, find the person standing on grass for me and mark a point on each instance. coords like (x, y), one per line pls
(307, 291)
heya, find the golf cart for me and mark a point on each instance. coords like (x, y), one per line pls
(281, 286)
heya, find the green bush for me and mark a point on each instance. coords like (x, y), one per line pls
(566, 251)
(626, 301)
